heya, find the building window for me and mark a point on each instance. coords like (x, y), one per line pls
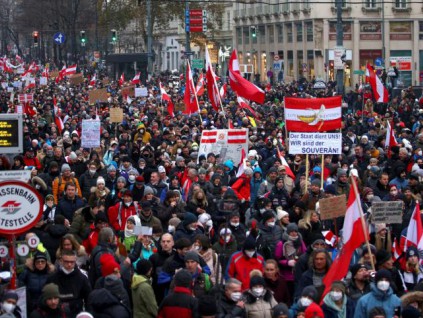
(309, 31)
(285, 6)
(238, 36)
(290, 64)
(300, 63)
(228, 17)
(370, 4)
(299, 29)
(246, 36)
(279, 29)
(401, 4)
(271, 33)
(306, 4)
(262, 34)
(421, 31)
(343, 3)
(289, 32)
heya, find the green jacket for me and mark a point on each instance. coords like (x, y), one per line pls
(143, 298)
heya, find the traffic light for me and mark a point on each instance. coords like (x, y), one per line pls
(114, 36)
(82, 36)
(35, 36)
(253, 32)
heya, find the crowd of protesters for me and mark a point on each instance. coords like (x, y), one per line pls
(148, 226)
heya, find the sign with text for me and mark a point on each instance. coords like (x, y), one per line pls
(387, 212)
(315, 143)
(116, 115)
(90, 136)
(17, 175)
(141, 92)
(76, 79)
(98, 95)
(227, 143)
(11, 133)
(331, 208)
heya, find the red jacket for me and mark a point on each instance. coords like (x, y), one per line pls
(179, 304)
(242, 188)
(119, 213)
(32, 162)
(241, 265)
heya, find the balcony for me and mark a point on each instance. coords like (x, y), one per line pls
(401, 9)
(370, 9)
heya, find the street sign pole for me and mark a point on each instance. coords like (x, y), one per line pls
(187, 32)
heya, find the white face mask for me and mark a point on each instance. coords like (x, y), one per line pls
(336, 295)
(250, 253)
(197, 247)
(192, 228)
(305, 302)
(394, 193)
(9, 308)
(370, 197)
(67, 272)
(131, 178)
(227, 239)
(171, 229)
(236, 296)
(128, 203)
(258, 291)
(383, 285)
(271, 224)
(93, 171)
(235, 224)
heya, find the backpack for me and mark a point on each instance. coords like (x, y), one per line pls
(61, 194)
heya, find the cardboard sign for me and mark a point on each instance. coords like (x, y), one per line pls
(179, 107)
(98, 95)
(387, 212)
(116, 115)
(76, 79)
(128, 91)
(105, 81)
(54, 74)
(90, 137)
(334, 207)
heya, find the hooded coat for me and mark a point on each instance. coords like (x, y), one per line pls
(143, 298)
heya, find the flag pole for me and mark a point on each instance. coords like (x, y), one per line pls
(321, 174)
(215, 85)
(363, 223)
(195, 93)
(306, 176)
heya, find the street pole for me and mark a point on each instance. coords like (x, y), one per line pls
(149, 39)
(383, 32)
(339, 43)
(187, 35)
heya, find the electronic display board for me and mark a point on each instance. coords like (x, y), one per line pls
(11, 133)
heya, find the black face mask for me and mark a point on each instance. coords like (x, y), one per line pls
(54, 173)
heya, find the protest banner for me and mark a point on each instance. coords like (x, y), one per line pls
(54, 74)
(76, 79)
(128, 91)
(141, 92)
(227, 143)
(90, 136)
(98, 95)
(315, 143)
(387, 212)
(333, 207)
(116, 115)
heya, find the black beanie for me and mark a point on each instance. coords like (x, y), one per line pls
(383, 273)
(267, 215)
(382, 256)
(183, 278)
(250, 243)
(256, 280)
(143, 267)
(410, 312)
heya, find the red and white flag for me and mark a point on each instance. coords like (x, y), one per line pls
(29, 83)
(390, 140)
(415, 230)
(230, 124)
(353, 235)
(45, 73)
(59, 123)
(243, 103)
(241, 165)
(237, 136)
(33, 67)
(70, 70)
(200, 85)
(223, 91)
(165, 97)
(288, 169)
(62, 74)
(93, 80)
(190, 98)
(19, 59)
(242, 86)
(314, 114)
(208, 137)
(25, 98)
(136, 79)
(212, 88)
(380, 92)
(121, 80)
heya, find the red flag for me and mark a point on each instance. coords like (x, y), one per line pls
(379, 91)
(240, 85)
(62, 74)
(166, 97)
(45, 73)
(190, 100)
(288, 169)
(415, 230)
(33, 68)
(200, 85)
(71, 70)
(223, 91)
(93, 80)
(19, 59)
(212, 89)
(136, 79)
(353, 236)
(241, 164)
(313, 114)
(245, 105)
(121, 79)
(29, 110)
(268, 87)
(230, 124)
(390, 140)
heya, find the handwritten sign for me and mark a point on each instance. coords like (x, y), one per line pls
(76, 79)
(90, 136)
(116, 115)
(128, 91)
(141, 92)
(387, 212)
(333, 207)
(98, 95)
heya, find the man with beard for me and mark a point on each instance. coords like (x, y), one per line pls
(49, 176)
(48, 158)
(341, 185)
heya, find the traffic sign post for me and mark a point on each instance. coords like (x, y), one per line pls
(196, 20)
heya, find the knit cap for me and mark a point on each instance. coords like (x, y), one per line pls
(50, 291)
(108, 264)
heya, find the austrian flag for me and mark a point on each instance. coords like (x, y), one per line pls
(313, 115)
(237, 136)
(209, 137)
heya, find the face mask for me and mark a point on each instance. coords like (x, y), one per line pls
(292, 238)
(235, 224)
(370, 197)
(383, 285)
(420, 153)
(258, 291)
(49, 153)
(9, 308)
(131, 178)
(335, 295)
(236, 296)
(141, 131)
(394, 193)
(227, 239)
(209, 223)
(178, 151)
(93, 171)
(262, 210)
(129, 231)
(192, 228)
(346, 148)
(271, 224)
(250, 253)
(171, 229)
(67, 272)
(156, 238)
(128, 203)
(197, 247)
(195, 148)
(305, 302)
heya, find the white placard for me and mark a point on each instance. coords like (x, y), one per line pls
(337, 61)
(43, 80)
(21, 291)
(10, 89)
(315, 143)
(227, 143)
(90, 136)
(141, 91)
(16, 175)
(22, 250)
(17, 84)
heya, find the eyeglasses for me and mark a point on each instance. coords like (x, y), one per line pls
(68, 262)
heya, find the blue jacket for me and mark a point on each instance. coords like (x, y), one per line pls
(255, 185)
(377, 298)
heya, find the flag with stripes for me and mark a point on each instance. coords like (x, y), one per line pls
(237, 136)
(209, 137)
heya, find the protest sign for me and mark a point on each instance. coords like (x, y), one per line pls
(116, 115)
(90, 136)
(128, 91)
(54, 74)
(227, 143)
(315, 143)
(333, 207)
(43, 81)
(98, 95)
(76, 79)
(141, 92)
(387, 212)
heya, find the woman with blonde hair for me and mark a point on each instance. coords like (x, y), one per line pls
(68, 242)
(198, 204)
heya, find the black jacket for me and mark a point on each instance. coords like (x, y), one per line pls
(104, 304)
